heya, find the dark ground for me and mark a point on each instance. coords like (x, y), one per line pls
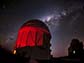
(7, 57)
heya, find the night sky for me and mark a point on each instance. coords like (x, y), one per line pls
(63, 17)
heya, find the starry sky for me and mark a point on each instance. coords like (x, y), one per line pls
(63, 17)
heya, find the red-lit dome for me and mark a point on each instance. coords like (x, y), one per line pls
(32, 33)
(36, 23)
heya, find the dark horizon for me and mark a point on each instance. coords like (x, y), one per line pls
(64, 19)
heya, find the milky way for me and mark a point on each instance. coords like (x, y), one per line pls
(63, 17)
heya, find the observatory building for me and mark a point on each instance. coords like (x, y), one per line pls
(33, 41)
(76, 48)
